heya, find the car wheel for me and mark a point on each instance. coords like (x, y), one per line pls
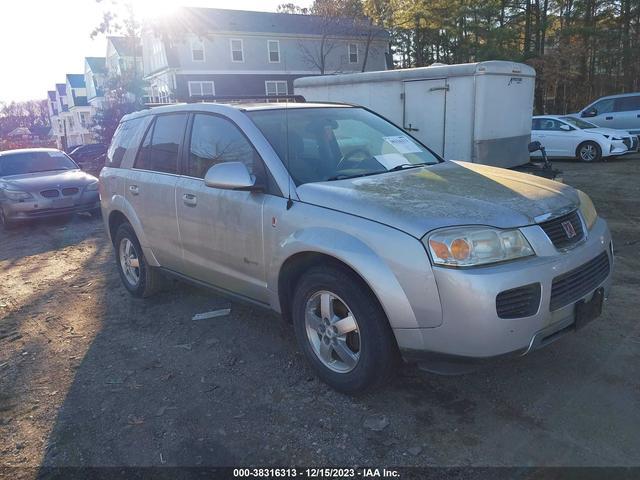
(589, 152)
(342, 330)
(5, 223)
(140, 279)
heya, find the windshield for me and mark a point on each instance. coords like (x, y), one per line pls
(576, 122)
(332, 143)
(33, 162)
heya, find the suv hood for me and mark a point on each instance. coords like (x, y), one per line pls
(452, 193)
(34, 182)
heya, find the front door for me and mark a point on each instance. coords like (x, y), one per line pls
(151, 187)
(424, 111)
(221, 230)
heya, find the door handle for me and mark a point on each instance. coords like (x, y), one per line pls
(608, 118)
(411, 129)
(190, 199)
(134, 189)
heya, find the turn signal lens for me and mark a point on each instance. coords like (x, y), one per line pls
(440, 249)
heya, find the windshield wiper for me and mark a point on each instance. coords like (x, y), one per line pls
(405, 166)
(48, 170)
(344, 177)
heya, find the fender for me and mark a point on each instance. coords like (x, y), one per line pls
(121, 204)
(362, 259)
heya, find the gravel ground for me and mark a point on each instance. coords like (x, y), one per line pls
(92, 377)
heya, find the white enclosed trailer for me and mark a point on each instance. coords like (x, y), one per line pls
(476, 112)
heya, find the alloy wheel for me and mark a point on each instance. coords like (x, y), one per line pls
(588, 153)
(332, 331)
(129, 261)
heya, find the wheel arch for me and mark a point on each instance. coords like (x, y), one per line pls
(322, 246)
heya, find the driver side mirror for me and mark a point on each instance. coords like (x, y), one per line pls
(230, 176)
(592, 112)
(566, 128)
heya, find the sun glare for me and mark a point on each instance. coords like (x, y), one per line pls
(153, 9)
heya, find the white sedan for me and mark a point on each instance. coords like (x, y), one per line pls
(572, 137)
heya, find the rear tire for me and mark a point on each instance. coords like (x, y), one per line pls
(138, 277)
(589, 152)
(342, 330)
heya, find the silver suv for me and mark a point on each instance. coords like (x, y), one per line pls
(370, 244)
(621, 112)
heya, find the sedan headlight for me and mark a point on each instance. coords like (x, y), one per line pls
(17, 195)
(471, 246)
(92, 187)
(587, 210)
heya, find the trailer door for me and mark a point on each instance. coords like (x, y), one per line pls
(424, 111)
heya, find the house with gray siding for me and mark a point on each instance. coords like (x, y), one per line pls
(207, 51)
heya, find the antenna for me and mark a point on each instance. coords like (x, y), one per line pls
(286, 121)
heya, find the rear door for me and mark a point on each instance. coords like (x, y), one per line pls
(627, 113)
(424, 111)
(151, 189)
(221, 231)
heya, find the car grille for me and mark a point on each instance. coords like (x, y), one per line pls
(559, 235)
(573, 285)
(50, 193)
(69, 191)
(634, 143)
(627, 142)
(518, 302)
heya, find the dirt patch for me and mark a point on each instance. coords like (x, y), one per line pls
(92, 377)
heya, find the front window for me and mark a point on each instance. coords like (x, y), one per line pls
(200, 89)
(353, 53)
(237, 51)
(276, 87)
(334, 143)
(274, 51)
(34, 162)
(576, 122)
(197, 50)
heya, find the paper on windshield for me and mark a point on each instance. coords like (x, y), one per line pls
(390, 160)
(403, 144)
(57, 155)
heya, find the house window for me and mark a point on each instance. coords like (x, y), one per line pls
(197, 50)
(237, 51)
(201, 89)
(353, 53)
(276, 87)
(274, 51)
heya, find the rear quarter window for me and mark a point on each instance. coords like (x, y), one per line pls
(124, 140)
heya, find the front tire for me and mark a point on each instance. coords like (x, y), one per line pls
(138, 277)
(589, 152)
(5, 223)
(342, 330)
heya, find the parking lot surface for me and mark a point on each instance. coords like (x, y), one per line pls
(90, 376)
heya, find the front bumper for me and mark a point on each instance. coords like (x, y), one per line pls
(41, 207)
(471, 328)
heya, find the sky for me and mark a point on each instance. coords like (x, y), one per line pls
(43, 40)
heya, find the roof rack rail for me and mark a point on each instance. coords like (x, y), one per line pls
(244, 98)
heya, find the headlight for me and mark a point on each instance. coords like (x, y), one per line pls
(587, 210)
(470, 246)
(92, 187)
(17, 195)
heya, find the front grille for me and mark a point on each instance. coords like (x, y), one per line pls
(627, 142)
(559, 235)
(69, 191)
(634, 143)
(50, 193)
(518, 302)
(573, 285)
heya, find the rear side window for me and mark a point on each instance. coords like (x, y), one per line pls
(628, 104)
(122, 142)
(159, 151)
